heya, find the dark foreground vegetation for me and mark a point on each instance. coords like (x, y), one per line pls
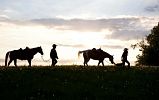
(79, 83)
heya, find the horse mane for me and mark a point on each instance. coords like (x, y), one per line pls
(32, 49)
(105, 53)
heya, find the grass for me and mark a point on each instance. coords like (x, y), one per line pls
(79, 83)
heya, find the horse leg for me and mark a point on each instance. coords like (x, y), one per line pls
(86, 59)
(15, 62)
(29, 61)
(86, 62)
(10, 61)
(101, 61)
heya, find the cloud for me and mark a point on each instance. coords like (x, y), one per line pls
(3, 17)
(74, 46)
(87, 25)
(122, 28)
(154, 8)
(111, 46)
(128, 34)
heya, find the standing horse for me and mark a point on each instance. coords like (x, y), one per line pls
(96, 55)
(26, 54)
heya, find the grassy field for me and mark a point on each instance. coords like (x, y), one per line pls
(79, 83)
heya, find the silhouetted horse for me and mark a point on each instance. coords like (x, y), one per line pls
(26, 54)
(96, 55)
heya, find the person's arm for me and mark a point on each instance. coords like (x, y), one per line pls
(122, 57)
(51, 54)
(56, 55)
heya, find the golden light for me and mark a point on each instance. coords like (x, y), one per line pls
(20, 36)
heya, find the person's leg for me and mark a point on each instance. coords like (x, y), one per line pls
(128, 63)
(52, 64)
(55, 61)
(123, 63)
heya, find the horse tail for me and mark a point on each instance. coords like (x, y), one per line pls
(6, 58)
(79, 52)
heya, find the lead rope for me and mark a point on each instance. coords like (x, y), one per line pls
(108, 62)
(44, 59)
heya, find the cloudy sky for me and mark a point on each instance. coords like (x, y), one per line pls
(75, 25)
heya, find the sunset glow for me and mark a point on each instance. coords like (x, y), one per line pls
(74, 25)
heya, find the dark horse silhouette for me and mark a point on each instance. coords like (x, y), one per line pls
(26, 54)
(94, 54)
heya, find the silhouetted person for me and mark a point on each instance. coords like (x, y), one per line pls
(53, 55)
(124, 58)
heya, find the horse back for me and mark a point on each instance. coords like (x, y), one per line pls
(96, 55)
(19, 54)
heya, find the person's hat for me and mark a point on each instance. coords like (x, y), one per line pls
(125, 49)
(54, 45)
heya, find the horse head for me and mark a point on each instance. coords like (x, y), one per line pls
(111, 59)
(107, 55)
(40, 50)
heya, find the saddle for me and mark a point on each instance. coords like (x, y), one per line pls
(26, 49)
(23, 52)
(94, 50)
(97, 53)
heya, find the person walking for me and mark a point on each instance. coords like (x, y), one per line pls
(124, 58)
(53, 55)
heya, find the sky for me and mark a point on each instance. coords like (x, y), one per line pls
(75, 25)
